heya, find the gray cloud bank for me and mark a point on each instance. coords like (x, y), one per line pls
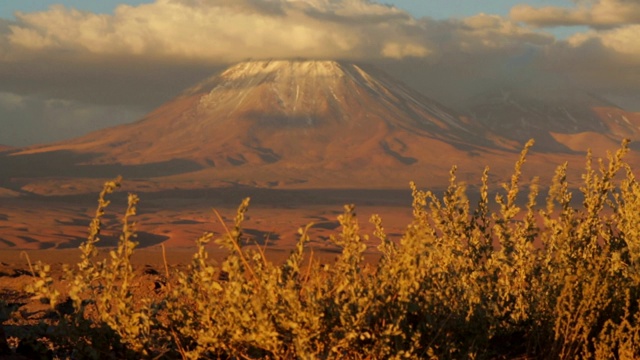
(112, 68)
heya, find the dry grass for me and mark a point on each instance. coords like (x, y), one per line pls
(464, 281)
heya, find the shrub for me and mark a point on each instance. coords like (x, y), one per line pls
(505, 278)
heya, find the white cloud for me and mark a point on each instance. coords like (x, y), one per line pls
(598, 14)
(624, 41)
(228, 31)
(494, 32)
(398, 51)
(224, 30)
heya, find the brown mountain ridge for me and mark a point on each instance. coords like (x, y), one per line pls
(279, 123)
(560, 121)
(326, 124)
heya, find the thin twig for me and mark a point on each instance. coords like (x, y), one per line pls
(235, 244)
(262, 250)
(28, 262)
(164, 259)
(308, 274)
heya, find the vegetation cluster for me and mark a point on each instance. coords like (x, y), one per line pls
(504, 278)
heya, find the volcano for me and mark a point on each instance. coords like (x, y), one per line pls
(295, 119)
(262, 112)
(299, 138)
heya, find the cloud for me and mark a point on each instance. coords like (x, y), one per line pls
(605, 58)
(12, 102)
(399, 51)
(596, 14)
(145, 54)
(141, 56)
(489, 32)
(623, 41)
(222, 30)
(602, 61)
(35, 120)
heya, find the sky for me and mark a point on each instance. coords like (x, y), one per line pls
(70, 67)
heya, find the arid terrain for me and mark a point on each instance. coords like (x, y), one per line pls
(301, 139)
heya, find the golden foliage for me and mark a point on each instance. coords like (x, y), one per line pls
(523, 280)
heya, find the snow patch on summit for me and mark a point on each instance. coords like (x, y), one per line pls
(283, 69)
(316, 92)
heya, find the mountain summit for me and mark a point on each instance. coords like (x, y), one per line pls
(282, 123)
(295, 112)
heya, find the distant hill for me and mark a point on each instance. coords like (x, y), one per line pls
(571, 121)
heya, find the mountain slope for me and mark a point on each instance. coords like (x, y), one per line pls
(293, 111)
(327, 124)
(568, 122)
